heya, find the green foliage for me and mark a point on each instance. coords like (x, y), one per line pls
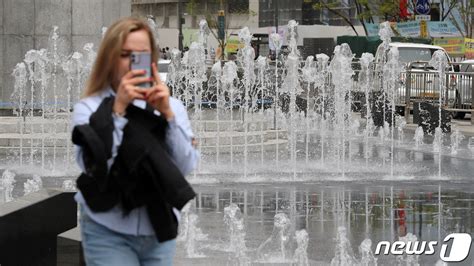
(191, 7)
(389, 8)
(211, 21)
(326, 5)
(467, 17)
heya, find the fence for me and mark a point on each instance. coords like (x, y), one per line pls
(423, 84)
(420, 82)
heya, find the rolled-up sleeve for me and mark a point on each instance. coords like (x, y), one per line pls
(179, 139)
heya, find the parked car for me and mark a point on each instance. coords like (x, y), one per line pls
(465, 86)
(163, 69)
(467, 66)
(424, 81)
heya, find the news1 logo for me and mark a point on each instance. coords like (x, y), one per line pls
(460, 247)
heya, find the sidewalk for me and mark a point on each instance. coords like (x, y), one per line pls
(464, 125)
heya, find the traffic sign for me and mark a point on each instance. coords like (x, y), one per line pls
(423, 17)
(422, 7)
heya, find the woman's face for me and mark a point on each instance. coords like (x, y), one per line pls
(137, 41)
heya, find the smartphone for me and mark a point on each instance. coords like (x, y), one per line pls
(142, 60)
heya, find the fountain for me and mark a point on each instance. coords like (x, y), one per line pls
(197, 76)
(340, 67)
(470, 145)
(456, 138)
(276, 42)
(344, 253)
(408, 259)
(20, 75)
(366, 253)
(235, 225)
(47, 83)
(365, 75)
(7, 185)
(292, 88)
(246, 57)
(215, 82)
(203, 33)
(33, 185)
(419, 136)
(69, 185)
(153, 27)
(327, 113)
(175, 77)
(262, 90)
(322, 79)
(301, 255)
(392, 70)
(439, 61)
(309, 75)
(193, 236)
(275, 249)
(401, 124)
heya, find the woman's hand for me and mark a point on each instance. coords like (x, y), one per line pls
(127, 90)
(158, 96)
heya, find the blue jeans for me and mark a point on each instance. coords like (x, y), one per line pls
(103, 246)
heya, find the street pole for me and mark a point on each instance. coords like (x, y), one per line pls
(180, 26)
(276, 17)
(276, 69)
(221, 29)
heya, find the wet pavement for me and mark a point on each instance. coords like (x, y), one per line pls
(380, 211)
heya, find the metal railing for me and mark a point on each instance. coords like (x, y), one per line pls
(420, 83)
(417, 82)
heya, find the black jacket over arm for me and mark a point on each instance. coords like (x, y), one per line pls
(142, 173)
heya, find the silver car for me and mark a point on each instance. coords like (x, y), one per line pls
(465, 86)
(163, 69)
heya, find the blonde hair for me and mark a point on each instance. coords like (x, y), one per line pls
(105, 65)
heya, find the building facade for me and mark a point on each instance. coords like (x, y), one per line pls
(258, 15)
(303, 12)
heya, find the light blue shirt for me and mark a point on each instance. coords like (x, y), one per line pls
(178, 139)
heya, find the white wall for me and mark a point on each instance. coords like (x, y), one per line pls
(168, 37)
(323, 31)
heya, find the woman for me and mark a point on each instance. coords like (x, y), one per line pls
(125, 213)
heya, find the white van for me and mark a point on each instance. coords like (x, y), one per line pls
(412, 52)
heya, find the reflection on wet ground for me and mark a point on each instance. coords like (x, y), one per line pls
(375, 210)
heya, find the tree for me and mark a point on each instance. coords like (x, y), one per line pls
(335, 8)
(466, 10)
(389, 10)
(446, 10)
